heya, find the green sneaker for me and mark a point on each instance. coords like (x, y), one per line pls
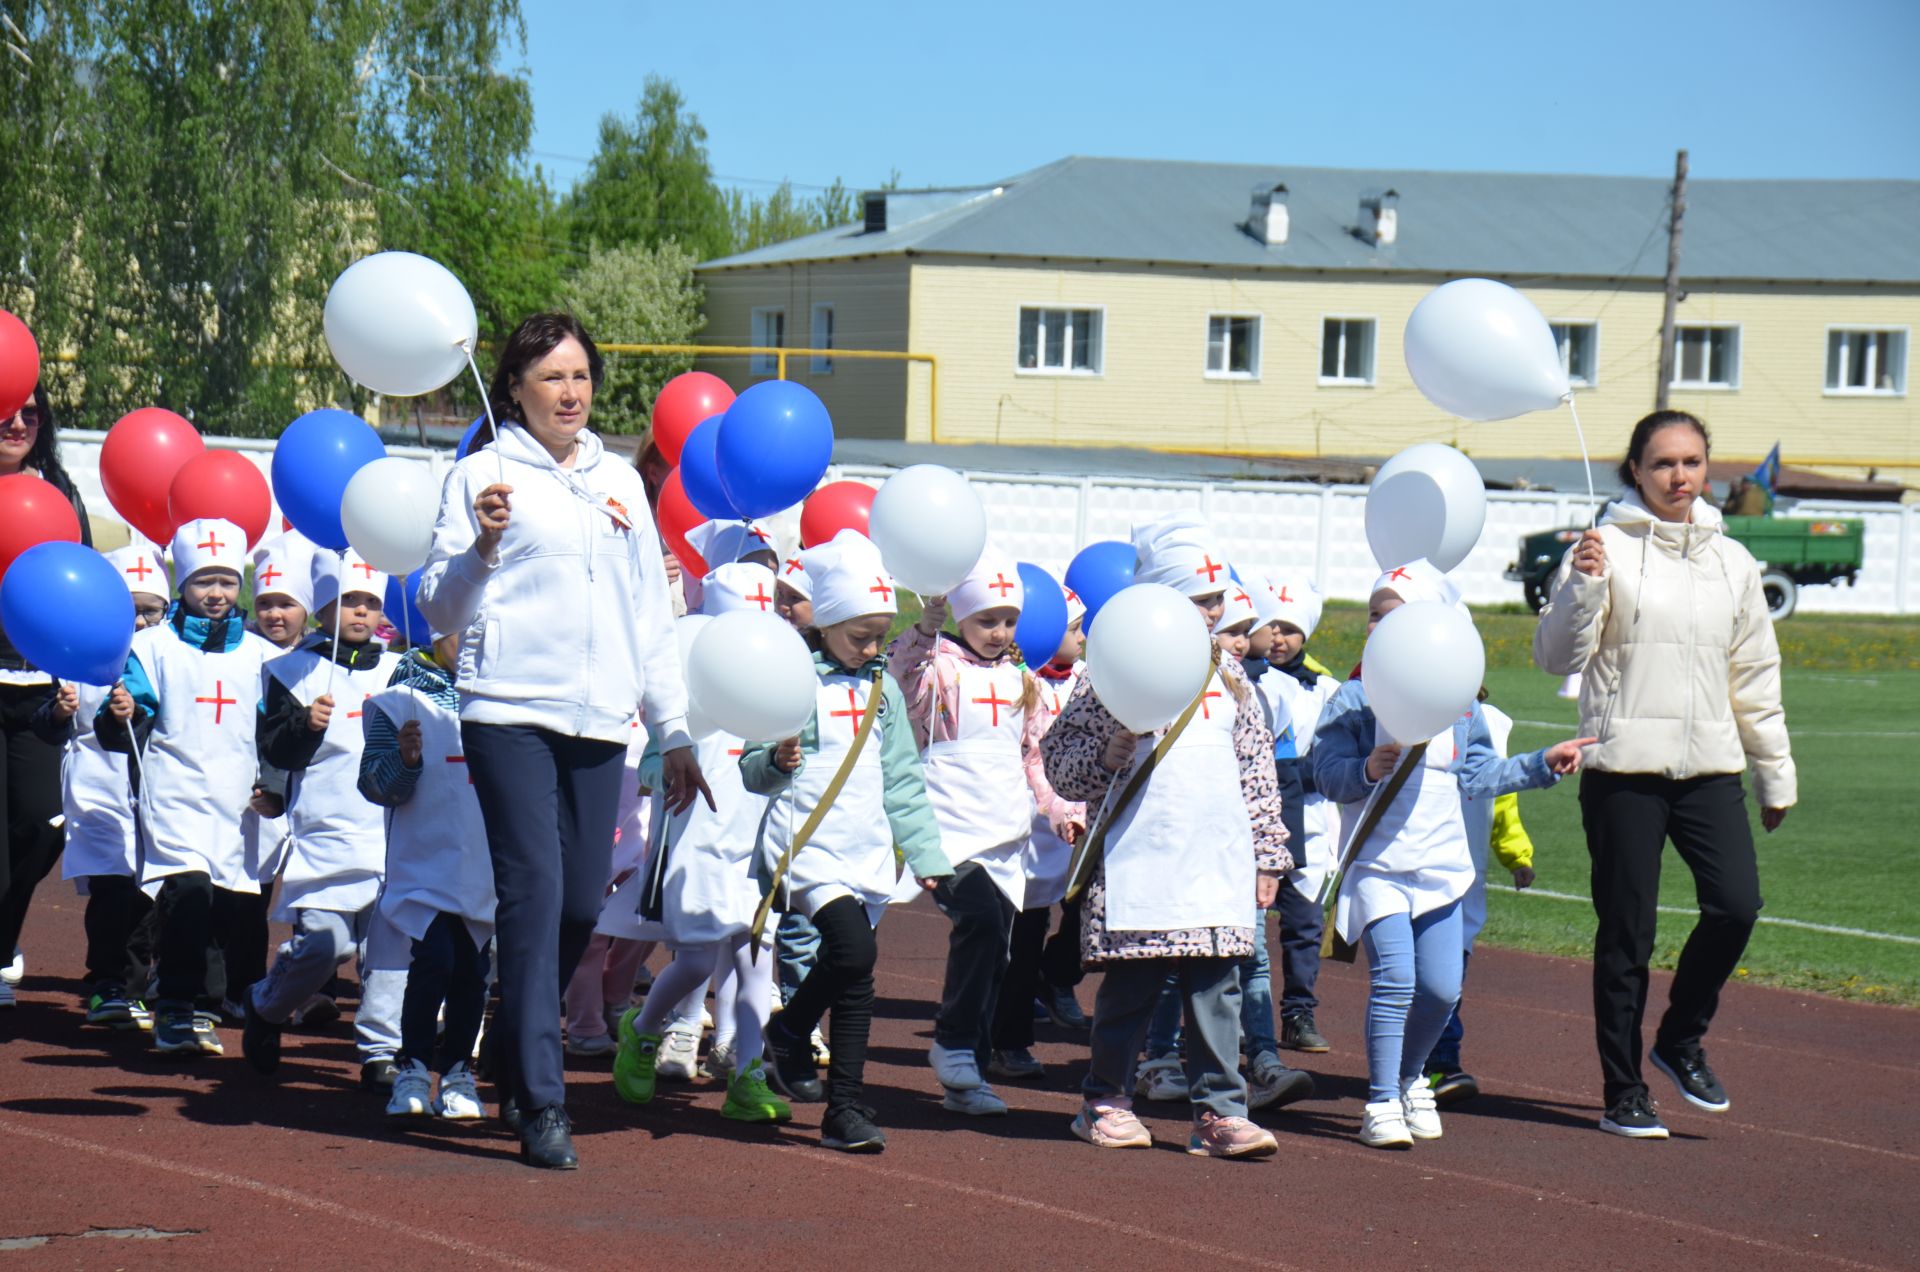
(115, 1010)
(750, 1099)
(633, 1064)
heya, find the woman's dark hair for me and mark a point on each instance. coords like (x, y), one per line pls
(535, 338)
(44, 455)
(1649, 425)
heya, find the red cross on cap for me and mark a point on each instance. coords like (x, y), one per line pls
(794, 566)
(1284, 598)
(139, 569)
(212, 544)
(881, 588)
(268, 575)
(1400, 572)
(1242, 598)
(759, 534)
(760, 597)
(366, 570)
(1000, 584)
(1073, 596)
(1208, 567)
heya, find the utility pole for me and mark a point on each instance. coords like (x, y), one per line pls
(1679, 212)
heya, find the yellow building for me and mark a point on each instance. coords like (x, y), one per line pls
(1258, 311)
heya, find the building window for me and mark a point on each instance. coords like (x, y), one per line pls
(1579, 344)
(1706, 358)
(1233, 347)
(769, 331)
(1065, 341)
(822, 338)
(1346, 351)
(1864, 361)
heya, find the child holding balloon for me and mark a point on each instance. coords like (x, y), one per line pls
(1400, 897)
(843, 876)
(339, 844)
(100, 853)
(973, 707)
(796, 943)
(186, 709)
(1176, 874)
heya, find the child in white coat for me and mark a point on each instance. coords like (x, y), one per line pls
(973, 707)
(1400, 898)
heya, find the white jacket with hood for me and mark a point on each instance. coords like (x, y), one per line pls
(569, 627)
(1682, 672)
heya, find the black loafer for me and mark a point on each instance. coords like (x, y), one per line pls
(259, 1039)
(547, 1141)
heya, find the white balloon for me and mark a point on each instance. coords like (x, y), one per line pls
(1427, 501)
(686, 630)
(400, 324)
(388, 510)
(1150, 656)
(1480, 350)
(1422, 670)
(752, 676)
(929, 526)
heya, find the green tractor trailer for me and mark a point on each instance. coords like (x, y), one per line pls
(1793, 553)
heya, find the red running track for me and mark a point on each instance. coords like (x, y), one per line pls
(1816, 1166)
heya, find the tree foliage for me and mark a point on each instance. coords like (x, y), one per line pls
(650, 181)
(636, 294)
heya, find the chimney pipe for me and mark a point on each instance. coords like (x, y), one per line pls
(1268, 221)
(1380, 217)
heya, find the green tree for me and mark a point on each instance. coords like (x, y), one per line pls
(782, 215)
(650, 181)
(634, 294)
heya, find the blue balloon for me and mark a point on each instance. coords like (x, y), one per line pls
(404, 613)
(700, 475)
(467, 439)
(313, 461)
(68, 612)
(1100, 570)
(775, 443)
(1043, 619)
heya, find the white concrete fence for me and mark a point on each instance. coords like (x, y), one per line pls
(1270, 526)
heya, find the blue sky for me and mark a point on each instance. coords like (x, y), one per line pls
(959, 93)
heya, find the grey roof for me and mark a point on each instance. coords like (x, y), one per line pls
(1513, 225)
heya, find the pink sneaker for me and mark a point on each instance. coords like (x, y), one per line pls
(1110, 1123)
(1216, 1136)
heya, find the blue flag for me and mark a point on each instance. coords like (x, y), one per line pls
(1768, 474)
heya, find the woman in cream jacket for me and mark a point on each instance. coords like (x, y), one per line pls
(1664, 614)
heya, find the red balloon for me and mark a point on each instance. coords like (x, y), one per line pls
(836, 506)
(19, 364)
(32, 512)
(675, 516)
(684, 402)
(138, 461)
(222, 483)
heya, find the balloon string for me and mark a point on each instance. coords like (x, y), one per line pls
(1586, 461)
(339, 603)
(486, 404)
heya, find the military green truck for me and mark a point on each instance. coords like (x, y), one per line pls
(1793, 553)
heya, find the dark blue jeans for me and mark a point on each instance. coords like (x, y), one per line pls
(1300, 933)
(447, 967)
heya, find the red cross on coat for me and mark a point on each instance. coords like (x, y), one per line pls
(219, 701)
(994, 700)
(853, 707)
(461, 759)
(1205, 707)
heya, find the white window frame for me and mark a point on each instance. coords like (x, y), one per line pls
(1373, 352)
(766, 363)
(820, 366)
(1098, 345)
(1592, 324)
(1713, 386)
(1206, 349)
(1906, 353)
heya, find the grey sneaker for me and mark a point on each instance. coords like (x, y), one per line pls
(1298, 1034)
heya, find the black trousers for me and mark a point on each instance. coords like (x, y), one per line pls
(1013, 1015)
(550, 802)
(1301, 921)
(446, 968)
(29, 801)
(1060, 963)
(841, 980)
(239, 931)
(1629, 818)
(977, 949)
(115, 908)
(184, 910)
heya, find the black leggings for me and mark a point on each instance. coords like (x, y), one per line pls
(447, 967)
(841, 980)
(29, 801)
(1629, 817)
(1013, 1012)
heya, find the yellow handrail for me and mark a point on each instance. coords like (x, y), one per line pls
(780, 356)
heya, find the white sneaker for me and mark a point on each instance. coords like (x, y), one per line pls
(6, 994)
(957, 1070)
(596, 1045)
(1384, 1125)
(818, 1041)
(14, 970)
(1164, 1079)
(719, 1062)
(977, 1101)
(1422, 1111)
(412, 1091)
(679, 1055)
(459, 1098)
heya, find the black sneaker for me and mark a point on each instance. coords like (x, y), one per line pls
(793, 1071)
(259, 1039)
(850, 1128)
(1063, 1008)
(1015, 1063)
(1451, 1086)
(1298, 1034)
(547, 1141)
(1690, 1073)
(1633, 1117)
(377, 1074)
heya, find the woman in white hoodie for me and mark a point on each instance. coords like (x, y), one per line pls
(547, 564)
(1682, 688)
